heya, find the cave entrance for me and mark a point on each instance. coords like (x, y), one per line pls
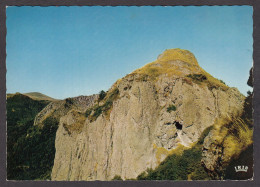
(178, 125)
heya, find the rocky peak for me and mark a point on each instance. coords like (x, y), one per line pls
(178, 55)
(174, 63)
(145, 117)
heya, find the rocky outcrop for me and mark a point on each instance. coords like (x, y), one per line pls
(144, 117)
(59, 108)
(230, 141)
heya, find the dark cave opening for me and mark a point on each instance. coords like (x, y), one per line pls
(178, 125)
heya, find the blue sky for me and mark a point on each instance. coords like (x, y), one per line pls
(70, 51)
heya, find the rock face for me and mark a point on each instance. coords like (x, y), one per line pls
(144, 117)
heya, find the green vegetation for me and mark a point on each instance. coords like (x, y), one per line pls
(88, 112)
(30, 149)
(185, 166)
(68, 102)
(222, 81)
(117, 178)
(197, 77)
(207, 79)
(171, 108)
(105, 107)
(102, 95)
(97, 111)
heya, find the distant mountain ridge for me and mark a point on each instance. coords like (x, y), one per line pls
(34, 95)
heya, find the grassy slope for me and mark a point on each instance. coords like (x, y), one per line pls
(245, 158)
(30, 150)
(162, 66)
(35, 96)
(39, 96)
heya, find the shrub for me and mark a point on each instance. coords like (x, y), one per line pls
(88, 112)
(68, 102)
(222, 82)
(97, 111)
(105, 107)
(197, 77)
(117, 178)
(102, 95)
(171, 108)
(142, 176)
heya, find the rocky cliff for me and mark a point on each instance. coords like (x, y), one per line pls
(152, 113)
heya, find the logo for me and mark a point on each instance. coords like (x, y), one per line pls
(241, 168)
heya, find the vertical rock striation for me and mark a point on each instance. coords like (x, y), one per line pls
(144, 117)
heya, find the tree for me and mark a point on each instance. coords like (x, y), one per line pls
(102, 95)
